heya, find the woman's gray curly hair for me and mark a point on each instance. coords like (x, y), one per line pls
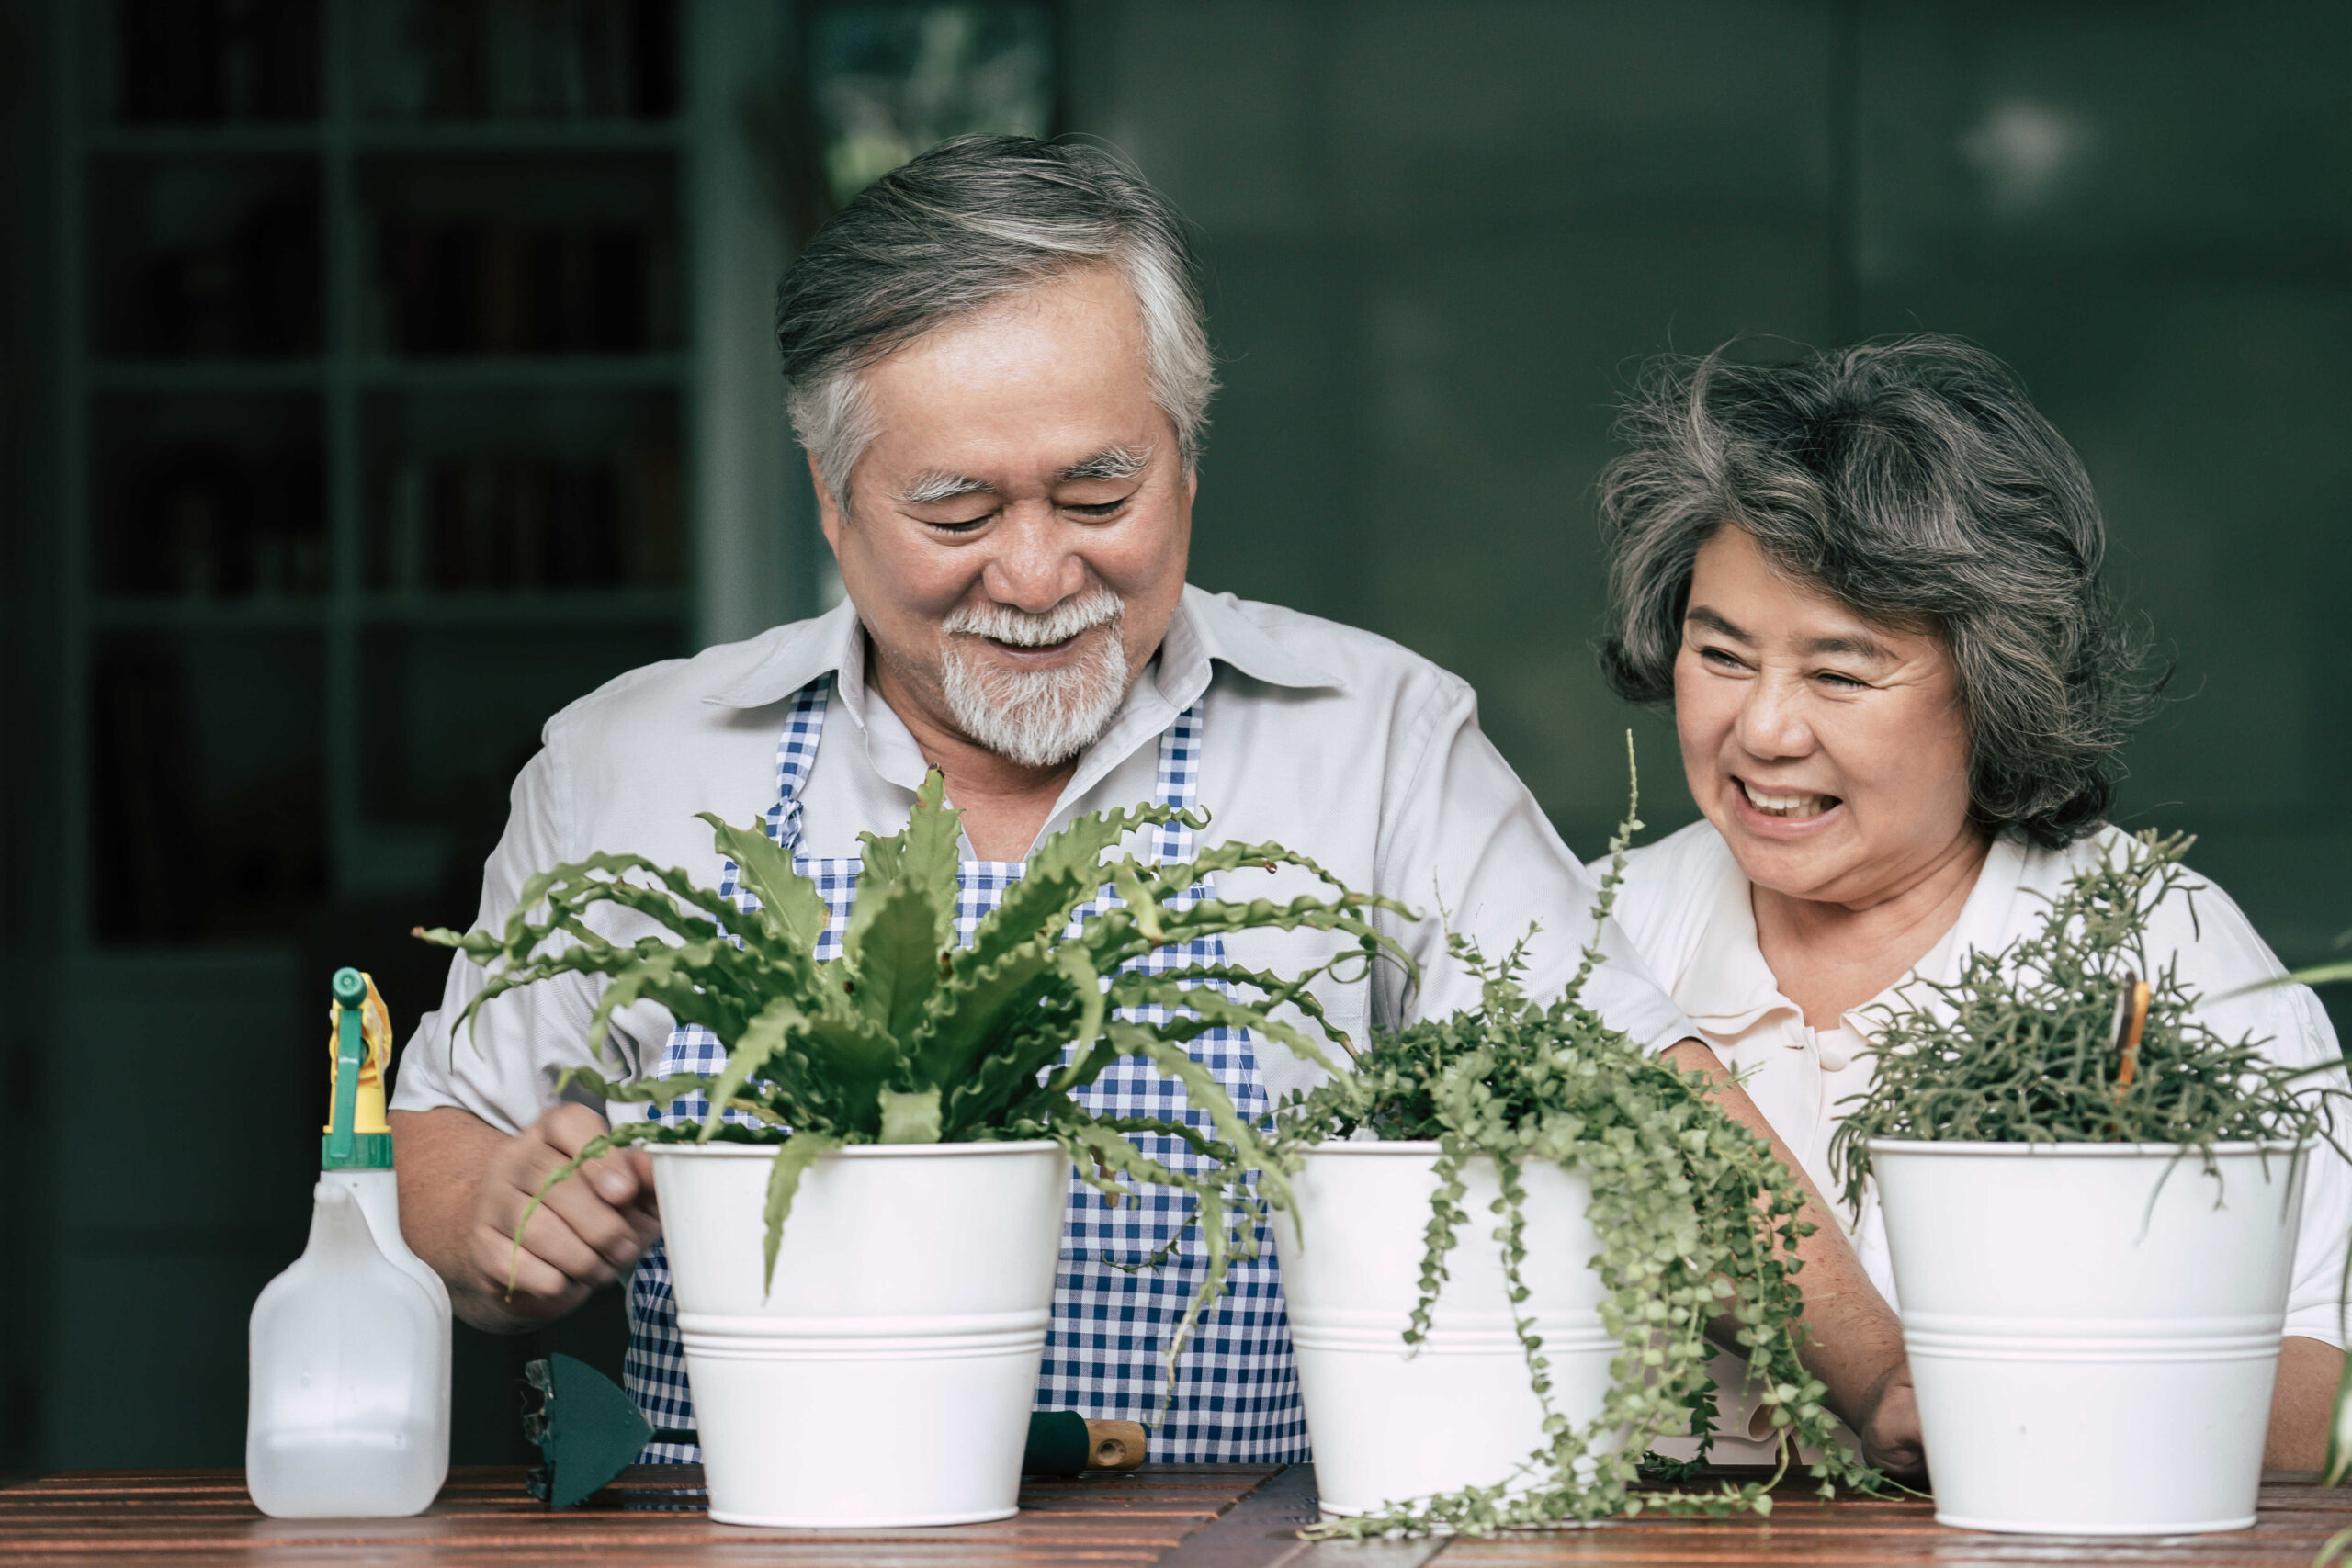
(1911, 482)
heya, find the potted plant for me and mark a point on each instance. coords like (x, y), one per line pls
(911, 1108)
(1468, 1388)
(2091, 1202)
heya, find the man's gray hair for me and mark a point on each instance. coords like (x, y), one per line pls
(1911, 482)
(952, 232)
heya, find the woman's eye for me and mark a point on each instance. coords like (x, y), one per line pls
(956, 525)
(1840, 682)
(1721, 658)
(1096, 511)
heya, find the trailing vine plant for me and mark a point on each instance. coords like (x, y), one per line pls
(2035, 1043)
(1697, 1224)
(913, 1036)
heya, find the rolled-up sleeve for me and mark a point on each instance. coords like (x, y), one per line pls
(2314, 1309)
(502, 1065)
(1463, 833)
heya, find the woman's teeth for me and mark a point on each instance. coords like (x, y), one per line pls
(1786, 805)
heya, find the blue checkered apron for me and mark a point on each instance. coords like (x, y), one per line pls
(1237, 1386)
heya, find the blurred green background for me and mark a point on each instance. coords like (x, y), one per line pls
(1441, 238)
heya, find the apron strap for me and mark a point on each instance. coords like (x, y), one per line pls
(796, 753)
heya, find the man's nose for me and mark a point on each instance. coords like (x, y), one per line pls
(1034, 567)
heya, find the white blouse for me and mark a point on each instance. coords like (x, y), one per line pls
(1686, 905)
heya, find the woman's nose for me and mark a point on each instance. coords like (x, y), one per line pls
(1033, 567)
(1772, 722)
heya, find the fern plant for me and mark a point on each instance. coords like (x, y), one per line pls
(1697, 1222)
(911, 1037)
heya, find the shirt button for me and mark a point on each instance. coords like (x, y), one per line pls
(1832, 1059)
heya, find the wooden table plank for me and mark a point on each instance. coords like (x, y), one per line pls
(1163, 1517)
(2295, 1518)
(204, 1519)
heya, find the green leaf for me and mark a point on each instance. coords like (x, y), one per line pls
(856, 1060)
(935, 853)
(792, 1161)
(1064, 872)
(765, 1036)
(893, 954)
(925, 856)
(789, 903)
(910, 1117)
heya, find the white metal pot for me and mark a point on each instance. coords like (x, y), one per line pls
(2093, 1328)
(912, 1295)
(1388, 1423)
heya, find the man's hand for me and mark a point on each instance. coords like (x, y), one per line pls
(464, 1189)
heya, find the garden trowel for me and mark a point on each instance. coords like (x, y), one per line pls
(589, 1431)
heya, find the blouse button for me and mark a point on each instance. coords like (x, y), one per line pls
(1832, 1059)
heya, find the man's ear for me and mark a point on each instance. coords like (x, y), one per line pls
(829, 511)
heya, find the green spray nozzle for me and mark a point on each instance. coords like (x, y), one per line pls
(350, 1051)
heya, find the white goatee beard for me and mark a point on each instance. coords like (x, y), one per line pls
(1039, 719)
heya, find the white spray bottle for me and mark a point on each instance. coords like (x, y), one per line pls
(349, 1409)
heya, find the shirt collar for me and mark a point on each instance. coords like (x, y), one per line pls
(1206, 627)
(1729, 988)
(796, 655)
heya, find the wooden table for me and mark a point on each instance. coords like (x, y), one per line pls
(1163, 1517)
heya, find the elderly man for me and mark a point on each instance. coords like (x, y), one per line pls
(999, 367)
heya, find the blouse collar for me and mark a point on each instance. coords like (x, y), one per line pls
(1728, 988)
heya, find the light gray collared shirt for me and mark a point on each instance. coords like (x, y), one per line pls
(1333, 742)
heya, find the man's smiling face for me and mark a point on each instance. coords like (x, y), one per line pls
(1017, 532)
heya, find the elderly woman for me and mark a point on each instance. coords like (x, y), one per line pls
(1869, 586)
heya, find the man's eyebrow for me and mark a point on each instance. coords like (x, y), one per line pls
(929, 490)
(1714, 621)
(1111, 463)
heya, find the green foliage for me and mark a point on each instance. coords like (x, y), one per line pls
(1697, 1224)
(2023, 1047)
(910, 1037)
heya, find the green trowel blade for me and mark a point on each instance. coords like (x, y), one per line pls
(591, 1430)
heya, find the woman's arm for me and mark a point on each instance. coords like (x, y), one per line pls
(1855, 1341)
(2302, 1405)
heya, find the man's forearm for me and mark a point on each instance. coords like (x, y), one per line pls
(440, 1156)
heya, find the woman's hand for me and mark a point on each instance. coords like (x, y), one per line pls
(1887, 1420)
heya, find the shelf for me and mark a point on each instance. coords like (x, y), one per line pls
(281, 139)
(240, 138)
(502, 609)
(493, 135)
(545, 372)
(492, 608)
(206, 376)
(274, 612)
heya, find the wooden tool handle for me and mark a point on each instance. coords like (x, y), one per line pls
(1113, 1445)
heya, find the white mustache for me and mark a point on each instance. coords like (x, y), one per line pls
(1023, 628)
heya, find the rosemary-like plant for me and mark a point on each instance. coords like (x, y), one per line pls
(1697, 1224)
(911, 1037)
(2023, 1047)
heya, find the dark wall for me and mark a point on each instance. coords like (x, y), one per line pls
(1444, 237)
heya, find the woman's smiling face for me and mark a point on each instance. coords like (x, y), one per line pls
(1832, 754)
